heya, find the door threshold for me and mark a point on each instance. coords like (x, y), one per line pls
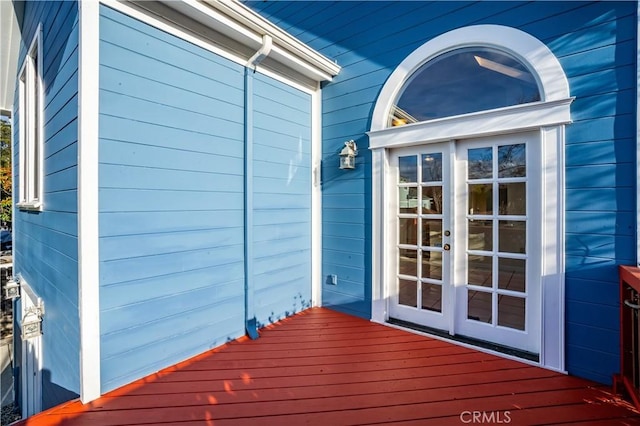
(518, 353)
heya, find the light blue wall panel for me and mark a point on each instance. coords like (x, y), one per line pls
(171, 201)
(281, 217)
(46, 245)
(596, 45)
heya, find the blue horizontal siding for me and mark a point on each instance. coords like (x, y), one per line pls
(281, 185)
(147, 178)
(171, 203)
(160, 355)
(601, 222)
(63, 180)
(63, 138)
(618, 199)
(592, 291)
(162, 286)
(609, 104)
(598, 59)
(160, 264)
(160, 136)
(595, 268)
(601, 176)
(46, 245)
(593, 245)
(600, 152)
(145, 337)
(595, 43)
(601, 129)
(177, 220)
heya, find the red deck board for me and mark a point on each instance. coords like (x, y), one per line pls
(326, 368)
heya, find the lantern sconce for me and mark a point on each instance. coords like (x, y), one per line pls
(348, 155)
(32, 322)
(12, 289)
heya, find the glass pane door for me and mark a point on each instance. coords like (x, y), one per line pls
(497, 296)
(420, 234)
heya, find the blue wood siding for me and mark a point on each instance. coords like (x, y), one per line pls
(46, 247)
(171, 199)
(596, 45)
(281, 199)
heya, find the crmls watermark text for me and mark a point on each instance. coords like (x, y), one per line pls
(491, 417)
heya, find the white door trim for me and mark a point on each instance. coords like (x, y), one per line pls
(548, 117)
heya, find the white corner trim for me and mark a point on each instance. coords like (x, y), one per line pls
(316, 198)
(88, 231)
(552, 354)
(378, 270)
(551, 78)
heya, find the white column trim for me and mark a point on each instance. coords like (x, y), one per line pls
(88, 231)
(379, 293)
(316, 197)
(552, 353)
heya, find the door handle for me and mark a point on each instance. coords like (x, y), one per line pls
(446, 247)
(632, 305)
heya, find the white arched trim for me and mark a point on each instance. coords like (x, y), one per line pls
(547, 118)
(528, 49)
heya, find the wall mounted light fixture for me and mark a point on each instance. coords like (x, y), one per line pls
(12, 289)
(348, 155)
(32, 322)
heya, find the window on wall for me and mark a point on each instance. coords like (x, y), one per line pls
(463, 81)
(30, 121)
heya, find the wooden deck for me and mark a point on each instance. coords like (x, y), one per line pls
(326, 368)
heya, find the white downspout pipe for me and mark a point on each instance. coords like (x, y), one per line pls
(251, 322)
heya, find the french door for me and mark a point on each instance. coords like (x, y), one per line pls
(464, 228)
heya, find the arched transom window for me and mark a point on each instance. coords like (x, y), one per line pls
(463, 81)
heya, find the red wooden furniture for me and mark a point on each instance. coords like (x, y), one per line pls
(629, 377)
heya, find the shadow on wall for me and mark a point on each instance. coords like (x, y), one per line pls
(299, 305)
(53, 394)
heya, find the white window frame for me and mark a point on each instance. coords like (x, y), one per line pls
(548, 116)
(31, 130)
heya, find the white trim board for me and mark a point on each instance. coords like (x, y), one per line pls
(316, 198)
(548, 116)
(199, 23)
(88, 221)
